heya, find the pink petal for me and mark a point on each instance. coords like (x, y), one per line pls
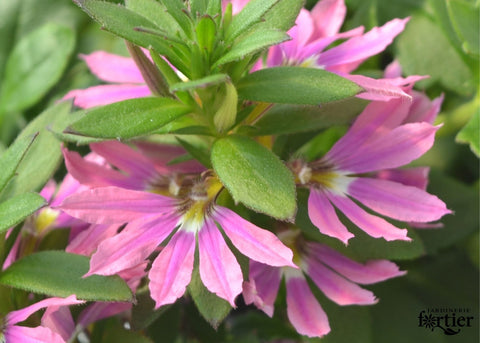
(359, 48)
(113, 205)
(391, 149)
(378, 90)
(125, 158)
(38, 334)
(336, 287)
(416, 177)
(59, 320)
(172, 269)
(113, 68)
(18, 316)
(92, 174)
(219, 269)
(322, 214)
(393, 70)
(423, 109)
(372, 225)
(132, 246)
(106, 94)
(372, 271)
(87, 241)
(262, 287)
(300, 34)
(258, 244)
(328, 15)
(303, 309)
(397, 201)
(68, 186)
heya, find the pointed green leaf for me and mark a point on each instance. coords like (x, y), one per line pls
(252, 43)
(60, 274)
(471, 134)
(16, 209)
(11, 158)
(295, 85)
(198, 7)
(214, 7)
(177, 9)
(251, 14)
(282, 15)
(205, 82)
(465, 19)
(211, 307)
(44, 155)
(255, 176)
(206, 30)
(35, 64)
(129, 118)
(156, 12)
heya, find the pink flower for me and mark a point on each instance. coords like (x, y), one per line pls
(122, 71)
(151, 218)
(15, 333)
(386, 135)
(334, 274)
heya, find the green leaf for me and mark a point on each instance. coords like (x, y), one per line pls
(295, 85)
(288, 119)
(464, 17)
(198, 6)
(204, 82)
(252, 43)
(200, 153)
(282, 15)
(211, 307)
(423, 49)
(44, 155)
(206, 30)
(156, 13)
(11, 158)
(35, 65)
(177, 9)
(60, 274)
(16, 209)
(470, 134)
(255, 176)
(251, 14)
(129, 118)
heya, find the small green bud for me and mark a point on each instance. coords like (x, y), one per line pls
(227, 112)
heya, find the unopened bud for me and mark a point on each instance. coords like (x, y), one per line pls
(227, 113)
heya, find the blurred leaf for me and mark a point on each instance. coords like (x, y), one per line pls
(143, 311)
(470, 134)
(288, 119)
(128, 118)
(177, 9)
(211, 307)
(251, 14)
(465, 19)
(60, 274)
(252, 43)
(154, 11)
(461, 199)
(11, 158)
(9, 11)
(16, 209)
(255, 176)
(295, 85)
(423, 49)
(260, 327)
(210, 80)
(44, 155)
(35, 64)
(199, 151)
(113, 330)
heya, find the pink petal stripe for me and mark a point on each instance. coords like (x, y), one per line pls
(392, 149)
(378, 90)
(132, 246)
(39, 334)
(303, 309)
(125, 158)
(397, 201)
(359, 48)
(18, 316)
(106, 94)
(372, 225)
(372, 271)
(263, 285)
(258, 244)
(113, 205)
(416, 177)
(172, 269)
(113, 68)
(92, 174)
(59, 320)
(219, 269)
(322, 214)
(336, 287)
(87, 241)
(328, 16)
